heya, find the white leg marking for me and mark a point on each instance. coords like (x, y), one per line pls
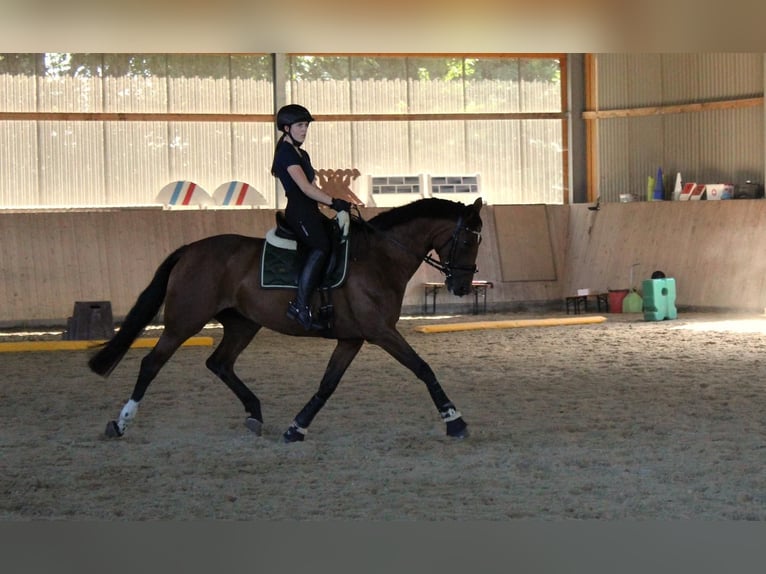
(127, 414)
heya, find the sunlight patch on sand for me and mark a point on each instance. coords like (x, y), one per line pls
(727, 326)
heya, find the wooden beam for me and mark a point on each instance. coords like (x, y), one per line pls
(445, 116)
(673, 109)
(133, 117)
(564, 70)
(481, 55)
(591, 128)
(176, 117)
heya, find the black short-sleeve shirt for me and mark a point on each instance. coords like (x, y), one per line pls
(284, 156)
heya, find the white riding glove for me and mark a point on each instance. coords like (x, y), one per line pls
(344, 219)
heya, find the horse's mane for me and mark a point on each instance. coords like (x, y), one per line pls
(431, 208)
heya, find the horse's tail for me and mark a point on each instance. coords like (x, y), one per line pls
(144, 310)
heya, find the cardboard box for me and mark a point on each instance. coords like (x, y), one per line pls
(698, 192)
(686, 192)
(715, 191)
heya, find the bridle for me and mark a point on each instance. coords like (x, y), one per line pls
(448, 267)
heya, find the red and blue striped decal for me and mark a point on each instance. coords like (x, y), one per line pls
(179, 190)
(243, 189)
(242, 194)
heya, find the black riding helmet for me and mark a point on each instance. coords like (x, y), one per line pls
(291, 114)
(287, 116)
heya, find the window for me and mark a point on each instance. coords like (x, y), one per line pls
(114, 129)
(500, 117)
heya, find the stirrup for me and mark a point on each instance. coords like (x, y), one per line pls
(304, 317)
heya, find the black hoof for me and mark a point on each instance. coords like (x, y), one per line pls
(254, 425)
(293, 434)
(112, 430)
(457, 428)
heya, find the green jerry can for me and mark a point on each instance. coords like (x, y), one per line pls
(632, 302)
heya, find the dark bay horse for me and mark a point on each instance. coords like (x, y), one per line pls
(219, 278)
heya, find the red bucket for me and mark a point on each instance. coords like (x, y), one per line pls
(615, 299)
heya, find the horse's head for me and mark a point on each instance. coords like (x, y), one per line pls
(457, 252)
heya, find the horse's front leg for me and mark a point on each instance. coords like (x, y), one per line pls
(393, 342)
(341, 358)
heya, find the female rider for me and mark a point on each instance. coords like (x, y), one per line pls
(292, 165)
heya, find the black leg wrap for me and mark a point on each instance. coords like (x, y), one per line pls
(253, 409)
(294, 434)
(307, 414)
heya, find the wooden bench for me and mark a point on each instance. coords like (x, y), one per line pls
(476, 286)
(579, 303)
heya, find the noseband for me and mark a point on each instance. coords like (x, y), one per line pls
(448, 267)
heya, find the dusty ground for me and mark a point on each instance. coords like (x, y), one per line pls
(621, 420)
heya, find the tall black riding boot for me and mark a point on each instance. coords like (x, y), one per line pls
(300, 308)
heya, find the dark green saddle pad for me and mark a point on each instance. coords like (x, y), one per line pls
(279, 267)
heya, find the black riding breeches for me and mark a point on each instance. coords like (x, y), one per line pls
(310, 227)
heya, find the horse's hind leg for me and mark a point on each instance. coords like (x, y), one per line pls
(393, 342)
(238, 332)
(150, 366)
(341, 358)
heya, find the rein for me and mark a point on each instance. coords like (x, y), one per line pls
(446, 268)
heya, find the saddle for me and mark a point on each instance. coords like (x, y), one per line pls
(283, 257)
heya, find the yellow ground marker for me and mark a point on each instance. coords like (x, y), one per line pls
(511, 324)
(140, 343)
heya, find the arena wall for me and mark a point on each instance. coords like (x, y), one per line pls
(535, 255)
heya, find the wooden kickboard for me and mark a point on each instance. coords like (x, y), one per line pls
(527, 253)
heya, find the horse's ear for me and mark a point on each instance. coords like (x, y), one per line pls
(477, 204)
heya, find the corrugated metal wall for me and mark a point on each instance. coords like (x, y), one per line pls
(519, 161)
(717, 146)
(638, 80)
(94, 163)
(124, 163)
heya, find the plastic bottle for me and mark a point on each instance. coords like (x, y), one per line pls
(659, 187)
